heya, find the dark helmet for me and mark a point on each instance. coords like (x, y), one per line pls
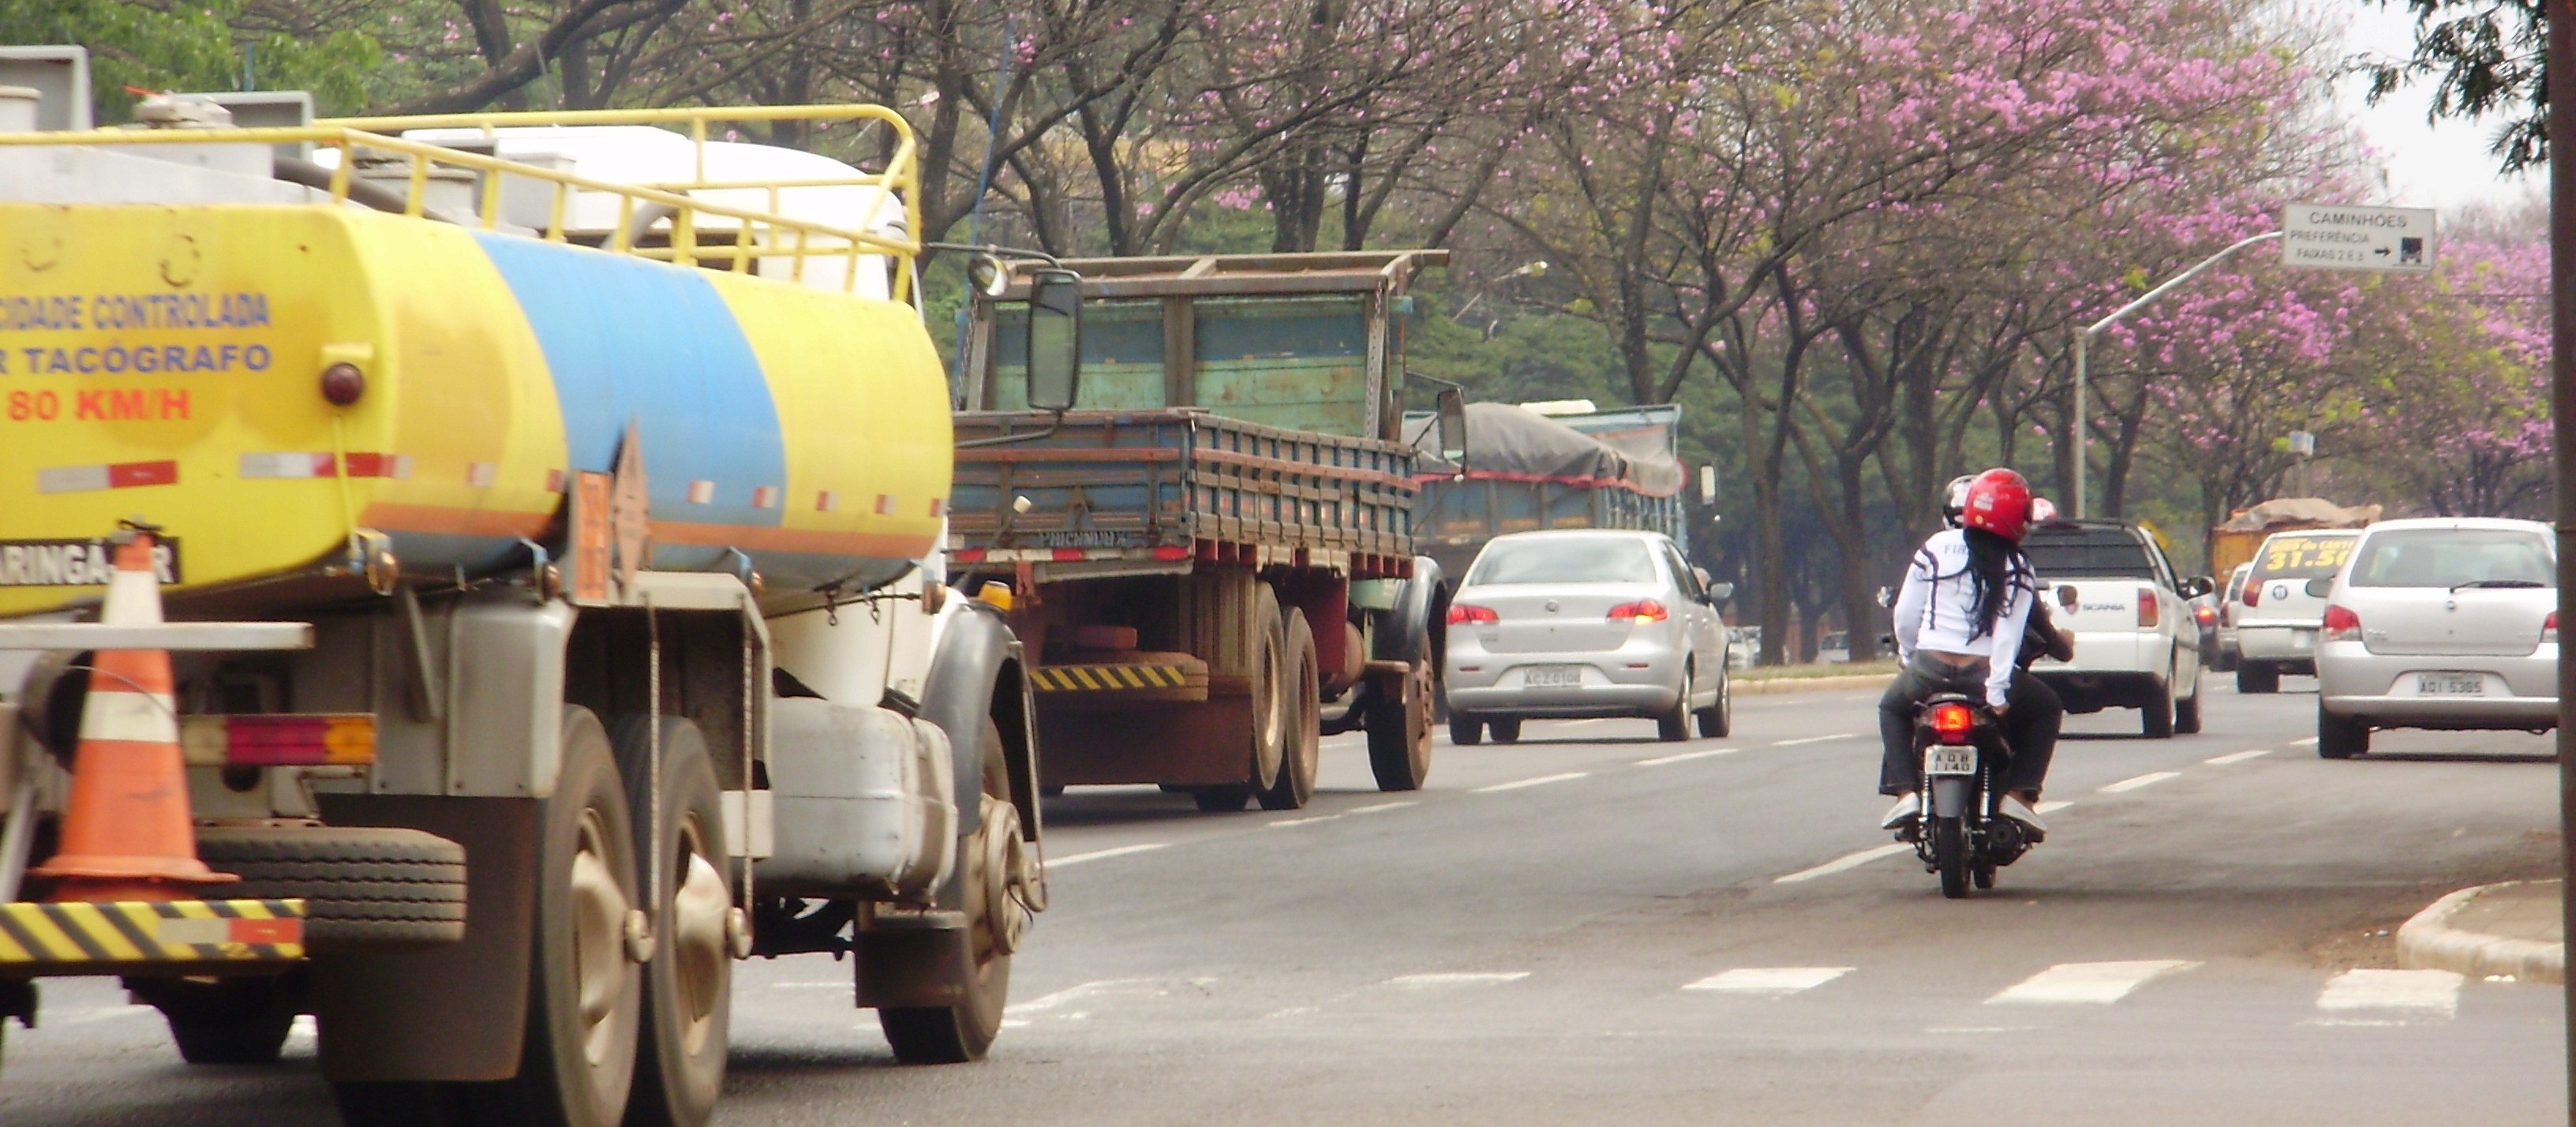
(1954, 499)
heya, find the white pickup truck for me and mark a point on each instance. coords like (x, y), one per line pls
(2136, 644)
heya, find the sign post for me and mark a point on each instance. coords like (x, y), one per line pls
(2328, 236)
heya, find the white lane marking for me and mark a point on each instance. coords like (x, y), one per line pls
(84, 1017)
(2238, 757)
(1091, 991)
(841, 985)
(2051, 806)
(1816, 739)
(1456, 978)
(1594, 720)
(1381, 806)
(2308, 741)
(303, 1031)
(1773, 982)
(1686, 756)
(1838, 864)
(1540, 781)
(1981, 1028)
(2389, 997)
(2086, 983)
(1300, 821)
(2149, 779)
(1292, 1011)
(1121, 851)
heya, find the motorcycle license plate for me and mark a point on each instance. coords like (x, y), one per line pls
(2450, 685)
(1948, 759)
(1553, 676)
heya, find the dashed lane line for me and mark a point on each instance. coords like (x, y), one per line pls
(1540, 781)
(1816, 739)
(2309, 741)
(2238, 757)
(1686, 756)
(1768, 982)
(1104, 854)
(1382, 806)
(2086, 983)
(1286, 822)
(2134, 782)
(1455, 978)
(1849, 861)
(2051, 806)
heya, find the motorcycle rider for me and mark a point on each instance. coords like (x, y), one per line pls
(1962, 618)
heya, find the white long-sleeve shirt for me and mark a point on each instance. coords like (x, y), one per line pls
(1936, 610)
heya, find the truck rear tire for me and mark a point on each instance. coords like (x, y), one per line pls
(1303, 720)
(1269, 688)
(585, 995)
(688, 984)
(963, 1032)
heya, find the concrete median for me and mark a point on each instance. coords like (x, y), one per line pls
(2511, 930)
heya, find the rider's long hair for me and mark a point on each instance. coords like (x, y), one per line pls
(1992, 563)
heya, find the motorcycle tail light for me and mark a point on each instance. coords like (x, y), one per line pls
(1467, 612)
(2342, 625)
(1643, 610)
(1952, 721)
(2205, 615)
(2149, 613)
(2549, 629)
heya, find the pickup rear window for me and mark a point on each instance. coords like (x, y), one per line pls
(2087, 553)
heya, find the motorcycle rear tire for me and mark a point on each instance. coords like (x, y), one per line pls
(1950, 855)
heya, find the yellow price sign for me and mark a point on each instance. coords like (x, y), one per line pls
(2303, 555)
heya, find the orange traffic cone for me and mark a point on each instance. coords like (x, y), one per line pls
(126, 832)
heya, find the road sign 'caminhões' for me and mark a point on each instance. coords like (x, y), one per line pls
(2357, 237)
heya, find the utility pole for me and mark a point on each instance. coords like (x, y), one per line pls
(2084, 342)
(2562, 422)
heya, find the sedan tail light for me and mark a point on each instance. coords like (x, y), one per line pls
(2149, 611)
(1951, 722)
(1465, 612)
(2549, 630)
(2253, 593)
(1643, 610)
(2342, 625)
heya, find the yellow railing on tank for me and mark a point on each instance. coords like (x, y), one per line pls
(785, 236)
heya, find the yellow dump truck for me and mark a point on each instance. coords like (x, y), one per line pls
(548, 515)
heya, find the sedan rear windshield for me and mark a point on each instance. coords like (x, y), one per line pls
(1564, 560)
(2453, 557)
(2303, 556)
(2087, 553)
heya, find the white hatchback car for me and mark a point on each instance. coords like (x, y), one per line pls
(2439, 623)
(2276, 625)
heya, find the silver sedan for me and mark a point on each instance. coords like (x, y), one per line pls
(2438, 623)
(1585, 624)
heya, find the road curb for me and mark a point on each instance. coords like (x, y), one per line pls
(2429, 942)
(1779, 685)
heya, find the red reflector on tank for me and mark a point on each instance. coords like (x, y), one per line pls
(967, 555)
(279, 739)
(1068, 555)
(1170, 552)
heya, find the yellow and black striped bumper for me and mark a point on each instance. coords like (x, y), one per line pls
(70, 937)
(1108, 678)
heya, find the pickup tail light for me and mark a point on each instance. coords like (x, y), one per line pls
(1952, 721)
(2341, 625)
(1466, 612)
(2149, 611)
(1643, 610)
(2549, 630)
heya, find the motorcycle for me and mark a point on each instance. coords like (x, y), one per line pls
(1959, 833)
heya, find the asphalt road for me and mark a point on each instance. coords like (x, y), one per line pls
(1590, 926)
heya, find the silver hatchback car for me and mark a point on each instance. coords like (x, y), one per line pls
(1584, 624)
(2439, 623)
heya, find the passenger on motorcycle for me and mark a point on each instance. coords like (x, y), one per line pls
(1962, 619)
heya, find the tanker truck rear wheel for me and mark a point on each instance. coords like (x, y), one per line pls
(688, 985)
(992, 870)
(585, 993)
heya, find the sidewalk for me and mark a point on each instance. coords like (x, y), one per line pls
(2512, 929)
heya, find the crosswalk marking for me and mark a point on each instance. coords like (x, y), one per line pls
(1103, 854)
(1769, 981)
(2238, 757)
(1816, 739)
(1847, 861)
(2086, 983)
(1542, 780)
(1686, 756)
(2149, 779)
(2387, 997)
(1455, 978)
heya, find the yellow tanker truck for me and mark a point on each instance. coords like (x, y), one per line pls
(543, 516)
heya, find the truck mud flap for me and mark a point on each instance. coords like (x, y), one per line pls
(456, 1012)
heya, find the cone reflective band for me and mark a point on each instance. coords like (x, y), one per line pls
(279, 740)
(126, 833)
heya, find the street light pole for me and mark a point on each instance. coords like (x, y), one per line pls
(2562, 422)
(2084, 341)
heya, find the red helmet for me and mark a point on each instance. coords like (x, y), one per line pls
(1999, 502)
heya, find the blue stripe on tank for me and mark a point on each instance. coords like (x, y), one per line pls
(631, 338)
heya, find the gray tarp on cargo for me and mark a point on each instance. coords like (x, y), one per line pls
(2313, 512)
(1507, 442)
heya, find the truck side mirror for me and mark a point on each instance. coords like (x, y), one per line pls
(1055, 339)
(1453, 425)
